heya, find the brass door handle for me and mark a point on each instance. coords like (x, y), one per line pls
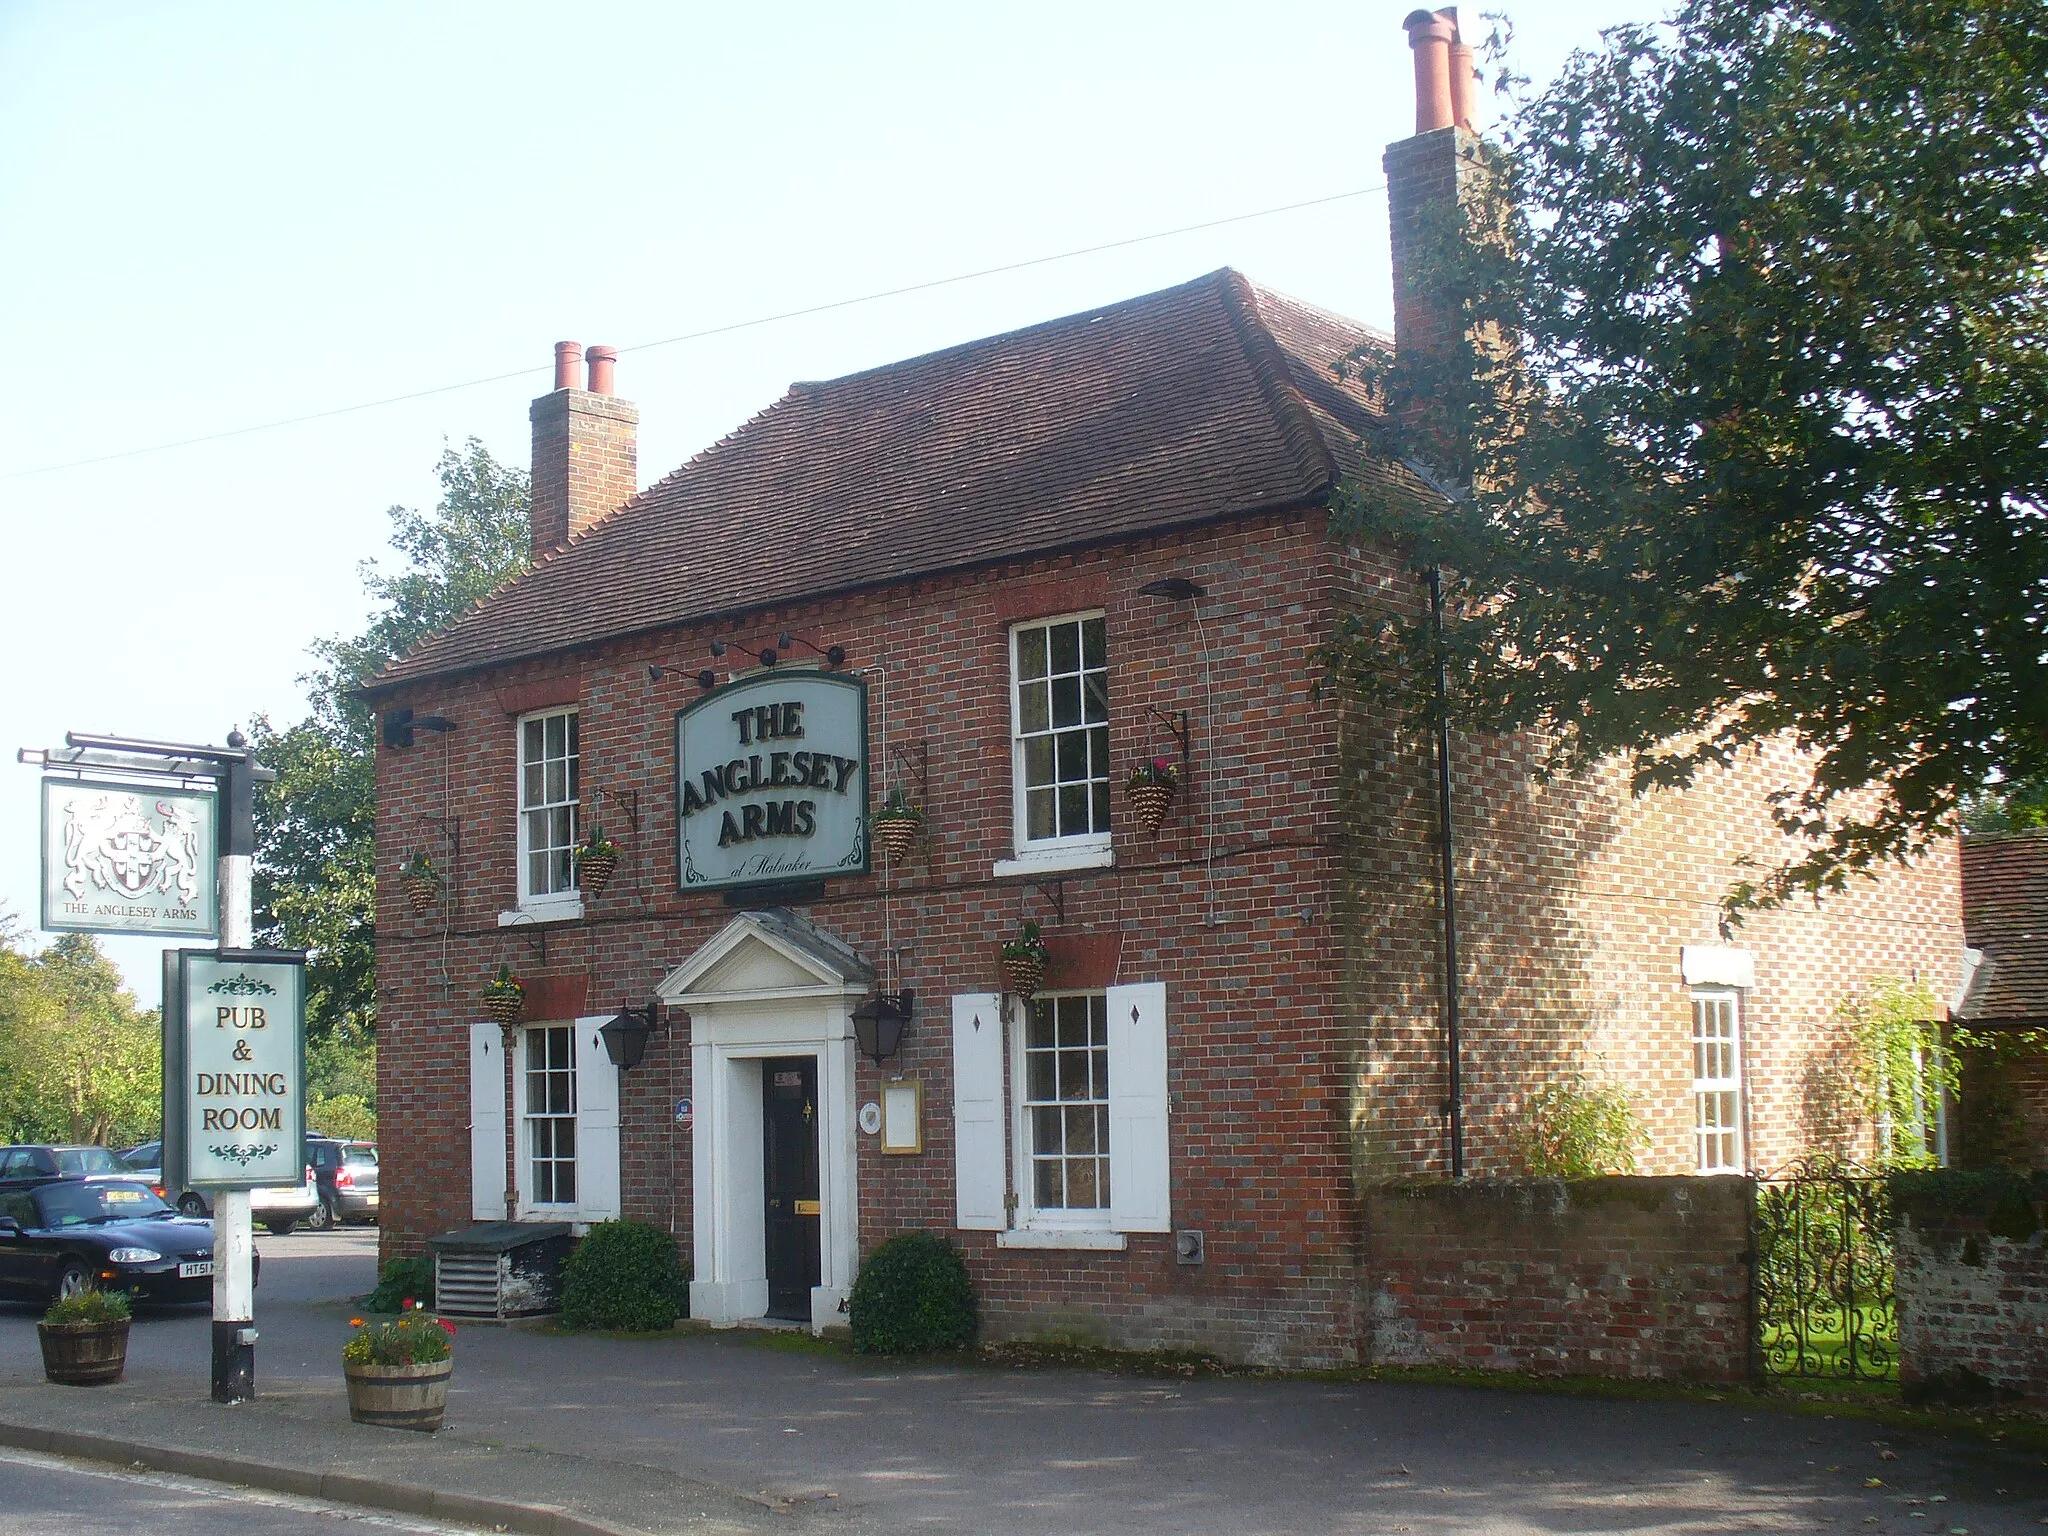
(774, 1205)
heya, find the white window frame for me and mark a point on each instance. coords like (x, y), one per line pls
(1090, 850)
(529, 1182)
(546, 904)
(1029, 1215)
(1731, 1084)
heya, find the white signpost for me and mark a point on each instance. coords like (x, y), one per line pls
(130, 856)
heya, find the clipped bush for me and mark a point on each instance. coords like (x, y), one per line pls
(912, 1296)
(624, 1276)
(402, 1282)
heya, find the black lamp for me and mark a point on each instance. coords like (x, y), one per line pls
(625, 1034)
(1178, 588)
(879, 1023)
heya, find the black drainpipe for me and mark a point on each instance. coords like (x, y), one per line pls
(1454, 1077)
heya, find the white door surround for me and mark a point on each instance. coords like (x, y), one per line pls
(769, 984)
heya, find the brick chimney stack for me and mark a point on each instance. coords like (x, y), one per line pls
(1438, 168)
(585, 464)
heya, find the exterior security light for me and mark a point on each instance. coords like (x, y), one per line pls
(1179, 588)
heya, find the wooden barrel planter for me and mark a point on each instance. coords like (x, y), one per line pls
(399, 1396)
(84, 1354)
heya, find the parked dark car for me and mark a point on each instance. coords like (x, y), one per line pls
(347, 1172)
(62, 1236)
(24, 1165)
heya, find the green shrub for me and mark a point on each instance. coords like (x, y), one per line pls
(1579, 1129)
(912, 1296)
(624, 1276)
(400, 1282)
(88, 1306)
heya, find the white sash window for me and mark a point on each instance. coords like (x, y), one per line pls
(1060, 1116)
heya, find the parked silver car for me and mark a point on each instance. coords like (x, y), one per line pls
(279, 1208)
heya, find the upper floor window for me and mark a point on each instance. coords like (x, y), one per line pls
(1060, 733)
(548, 799)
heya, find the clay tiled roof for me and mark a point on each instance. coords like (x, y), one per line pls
(1195, 403)
(2005, 914)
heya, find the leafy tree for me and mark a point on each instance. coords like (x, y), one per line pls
(78, 1060)
(315, 826)
(2008, 807)
(1748, 432)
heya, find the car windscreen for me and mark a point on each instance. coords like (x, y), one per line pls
(88, 1160)
(149, 1155)
(73, 1205)
(359, 1157)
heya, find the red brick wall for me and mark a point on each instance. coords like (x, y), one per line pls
(1971, 1299)
(1610, 1277)
(1288, 903)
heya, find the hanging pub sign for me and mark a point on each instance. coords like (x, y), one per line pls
(122, 858)
(772, 781)
(235, 1069)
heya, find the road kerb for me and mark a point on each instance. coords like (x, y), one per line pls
(339, 1487)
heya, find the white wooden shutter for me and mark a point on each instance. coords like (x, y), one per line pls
(597, 1125)
(1139, 1172)
(486, 1122)
(978, 1166)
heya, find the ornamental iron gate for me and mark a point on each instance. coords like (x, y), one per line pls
(1823, 1244)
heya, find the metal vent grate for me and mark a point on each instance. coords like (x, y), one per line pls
(468, 1284)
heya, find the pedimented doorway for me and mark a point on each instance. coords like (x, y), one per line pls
(773, 1156)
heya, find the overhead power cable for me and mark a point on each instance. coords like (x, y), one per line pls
(715, 330)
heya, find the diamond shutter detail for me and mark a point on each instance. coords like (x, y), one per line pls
(1139, 1175)
(978, 1161)
(597, 1125)
(486, 1122)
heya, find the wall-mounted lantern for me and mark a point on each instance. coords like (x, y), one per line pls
(625, 1034)
(879, 1023)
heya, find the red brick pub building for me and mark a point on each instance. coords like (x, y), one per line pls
(996, 578)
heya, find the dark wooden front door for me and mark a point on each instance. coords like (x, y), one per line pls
(789, 1091)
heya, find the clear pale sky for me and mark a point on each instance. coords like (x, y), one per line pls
(218, 215)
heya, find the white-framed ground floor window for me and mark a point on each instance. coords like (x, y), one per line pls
(1717, 1079)
(1060, 1116)
(563, 1135)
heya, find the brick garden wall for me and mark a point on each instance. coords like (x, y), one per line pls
(1972, 1289)
(1638, 1277)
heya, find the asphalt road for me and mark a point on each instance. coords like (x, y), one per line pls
(48, 1496)
(869, 1446)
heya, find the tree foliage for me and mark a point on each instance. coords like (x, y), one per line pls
(1749, 433)
(79, 1062)
(316, 857)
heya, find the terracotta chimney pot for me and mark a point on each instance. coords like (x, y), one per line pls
(1464, 87)
(602, 360)
(1430, 34)
(568, 355)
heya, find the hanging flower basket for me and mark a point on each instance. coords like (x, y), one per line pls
(595, 862)
(422, 884)
(895, 829)
(1024, 963)
(504, 997)
(1151, 789)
